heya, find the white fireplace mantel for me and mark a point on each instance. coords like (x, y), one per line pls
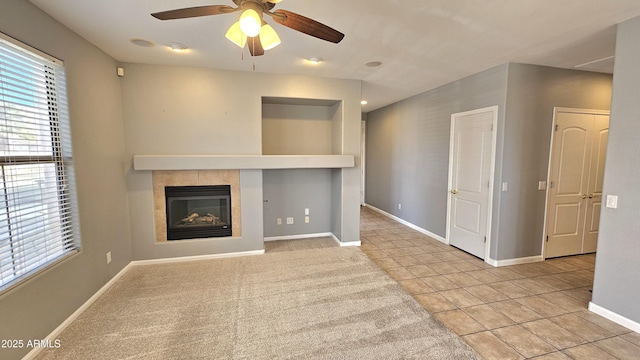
(241, 162)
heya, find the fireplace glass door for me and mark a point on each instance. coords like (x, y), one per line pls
(195, 212)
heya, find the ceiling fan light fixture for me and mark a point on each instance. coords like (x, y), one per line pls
(268, 37)
(236, 36)
(250, 22)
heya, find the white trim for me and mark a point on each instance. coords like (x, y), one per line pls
(363, 160)
(197, 257)
(492, 169)
(298, 237)
(349, 244)
(54, 334)
(516, 261)
(616, 318)
(406, 223)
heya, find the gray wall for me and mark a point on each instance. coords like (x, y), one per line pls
(196, 111)
(616, 286)
(37, 307)
(296, 129)
(408, 148)
(532, 93)
(288, 192)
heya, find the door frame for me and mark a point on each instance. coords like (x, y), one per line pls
(492, 167)
(363, 163)
(556, 110)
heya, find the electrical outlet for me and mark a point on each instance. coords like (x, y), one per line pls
(505, 186)
(279, 221)
(109, 257)
(289, 221)
(399, 206)
(306, 219)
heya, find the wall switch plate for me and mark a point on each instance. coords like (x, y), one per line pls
(612, 201)
(306, 219)
(279, 221)
(542, 185)
(306, 211)
(399, 206)
(289, 220)
(505, 186)
(109, 257)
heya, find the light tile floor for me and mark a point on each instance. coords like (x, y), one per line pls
(536, 310)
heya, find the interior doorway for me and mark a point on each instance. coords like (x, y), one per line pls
(576, 170)
(471, 168)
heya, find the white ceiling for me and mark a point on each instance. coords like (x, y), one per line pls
(421, 44)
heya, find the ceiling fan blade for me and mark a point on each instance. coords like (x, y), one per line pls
(307, 26)
(255, 46)
(193, 12)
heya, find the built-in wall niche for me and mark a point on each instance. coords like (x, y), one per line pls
(293, 126)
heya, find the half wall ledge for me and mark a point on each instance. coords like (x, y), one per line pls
(241, 162)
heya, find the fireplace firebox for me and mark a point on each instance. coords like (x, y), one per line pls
(195, 212)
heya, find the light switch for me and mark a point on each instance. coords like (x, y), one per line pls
(542, 185)
(505, 186)
(612, 201)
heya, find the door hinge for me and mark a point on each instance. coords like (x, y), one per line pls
(547, 238)
(485, 239)
(556, 127)
(491, 127)
(550, 184)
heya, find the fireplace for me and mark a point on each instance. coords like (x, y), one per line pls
(195, 212)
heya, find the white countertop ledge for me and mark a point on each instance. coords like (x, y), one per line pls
(241, 162)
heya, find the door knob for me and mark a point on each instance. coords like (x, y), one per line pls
(591, 196)
(584, 196)
(454, 191)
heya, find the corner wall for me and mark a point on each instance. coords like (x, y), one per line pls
(616, 288)
(171, 110)
(35, 308)
(408, 148)
(532, 93)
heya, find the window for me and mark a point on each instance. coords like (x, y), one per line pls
(37, 191)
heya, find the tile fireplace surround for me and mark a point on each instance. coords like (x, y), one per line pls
(191, 178)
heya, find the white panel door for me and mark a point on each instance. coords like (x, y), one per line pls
(470, 178)
(596, 176)
(576, 173)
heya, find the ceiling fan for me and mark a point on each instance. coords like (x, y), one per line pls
(252, 28)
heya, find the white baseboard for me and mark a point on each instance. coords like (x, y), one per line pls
(54, 334)
(197, 257)
(309, 236)
(349, 243)
(298, 237)
(406, 223)
(616, 318)
(517, 261)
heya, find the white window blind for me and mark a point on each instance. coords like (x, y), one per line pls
(37, 191)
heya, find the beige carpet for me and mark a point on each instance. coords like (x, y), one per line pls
(324, 303)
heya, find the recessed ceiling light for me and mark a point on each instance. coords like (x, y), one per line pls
(315, 60)
(364, 102)
(177, 47)
(142, 42)
(373, 64)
